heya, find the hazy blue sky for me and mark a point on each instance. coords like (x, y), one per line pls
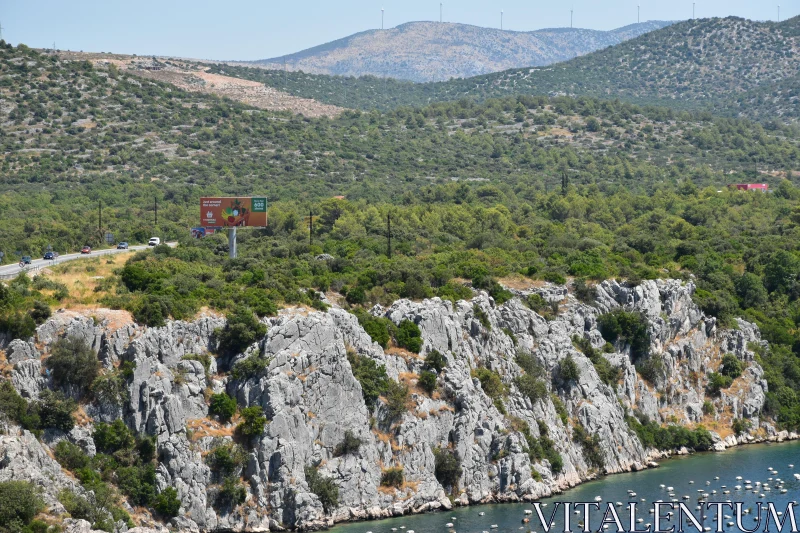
(256, 29)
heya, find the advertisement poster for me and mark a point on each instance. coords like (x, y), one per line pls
(239, 211)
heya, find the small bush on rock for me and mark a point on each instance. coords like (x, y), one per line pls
(325, 488)
(427, 381)
(222, 406)
(447, 468)
(253, 421)
(409, 336)
(392, 477)
(167, 503)
(73, 364)
(350, 444)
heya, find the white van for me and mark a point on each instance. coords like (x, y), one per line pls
(154, 241)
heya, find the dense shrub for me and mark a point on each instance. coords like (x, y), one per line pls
(494, 289)
(167, 503)
(226, 459)
(19, 503)
(491, 383)
(447, 468)
(242, 329)
(731, 366)
(17, 409)
(370, 375)
(530, 365)
(568, 369)
(110, 389)
(740, 425)
(18, 325)
(392, 477)
(532, 387)
(717, 382)
(541, 448)
(138, 482)
(222, 406)
(592, 450)
(583, 292)
(55, 410)
(325, 488)
(630, 328)
(409, 336)
(251, 367)
(396, 399)
(73, 364)
(350, 444)
(253, 421)
(378, 328)
(231, 493)
(427, 381)
(651, 368)
(110, 438)
(70, 456)
(652, 435)
(436, 361)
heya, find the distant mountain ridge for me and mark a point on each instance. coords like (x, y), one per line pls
(428, 51)
(729, 66)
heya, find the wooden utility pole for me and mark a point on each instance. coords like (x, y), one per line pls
(310, 227)
(100, 217)
(155, 209)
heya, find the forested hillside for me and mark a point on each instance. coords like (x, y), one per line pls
(512, 189)
(74, 136)
(733, 66)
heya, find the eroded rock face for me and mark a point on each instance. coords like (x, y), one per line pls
(23, 457)
(311, 397)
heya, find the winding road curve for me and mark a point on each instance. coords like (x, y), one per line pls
(11, 271)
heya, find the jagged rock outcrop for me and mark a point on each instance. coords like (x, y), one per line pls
(311, 398)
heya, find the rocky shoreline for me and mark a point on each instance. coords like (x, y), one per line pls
(312, 397)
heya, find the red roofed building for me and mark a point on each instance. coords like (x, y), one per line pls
(763, 187)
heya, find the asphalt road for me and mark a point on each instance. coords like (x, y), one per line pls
(11, 271)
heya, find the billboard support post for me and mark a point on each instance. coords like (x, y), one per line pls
(232, 242)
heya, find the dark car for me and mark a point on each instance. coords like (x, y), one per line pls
(122, 246)
(86, 250)
(50, 256)
(26, 260)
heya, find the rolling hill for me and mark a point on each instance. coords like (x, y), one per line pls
(430, 51)
(732, 66)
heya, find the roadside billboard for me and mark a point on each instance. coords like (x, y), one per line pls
(241, 211)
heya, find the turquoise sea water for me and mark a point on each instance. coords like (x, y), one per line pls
(750, 462)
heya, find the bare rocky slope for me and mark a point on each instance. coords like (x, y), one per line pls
(427, 51)
(311, 398)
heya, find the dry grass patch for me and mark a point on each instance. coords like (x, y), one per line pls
(82, 277)
(205, 427)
